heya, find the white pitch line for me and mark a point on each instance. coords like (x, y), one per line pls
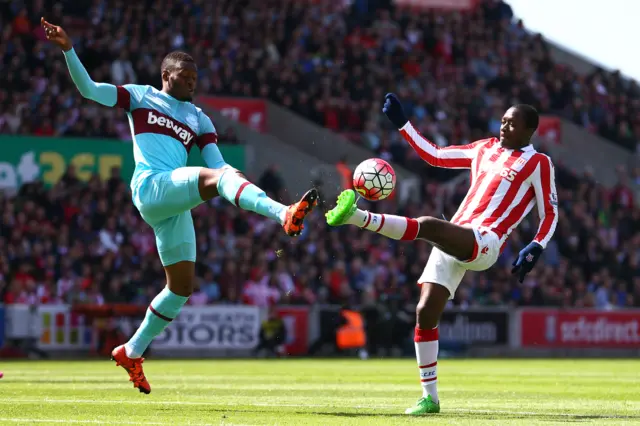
(266, 404)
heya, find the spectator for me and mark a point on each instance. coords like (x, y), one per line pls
(262, 290)
(273, 335)
(456, 73)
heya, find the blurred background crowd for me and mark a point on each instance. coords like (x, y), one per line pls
(85, 243)
(332, 63)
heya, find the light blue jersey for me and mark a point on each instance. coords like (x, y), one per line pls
(164, 130)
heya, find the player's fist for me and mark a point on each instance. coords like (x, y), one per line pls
(393, 110)
(56, 35)
(527, 259)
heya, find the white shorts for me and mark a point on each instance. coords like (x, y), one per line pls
(448, 271)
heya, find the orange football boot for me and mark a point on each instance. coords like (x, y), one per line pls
(133, 367)
(296, 213)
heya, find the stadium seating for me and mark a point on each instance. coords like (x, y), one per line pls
(86, 243)
(329, 63)
(332, 65)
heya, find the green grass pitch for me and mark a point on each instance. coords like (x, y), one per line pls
(320, 392)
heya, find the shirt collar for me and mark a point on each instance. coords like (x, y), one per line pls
(527, 148)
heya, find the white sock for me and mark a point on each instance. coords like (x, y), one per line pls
(131, 353)
(426, 342)
(248, 196)
(391, 226)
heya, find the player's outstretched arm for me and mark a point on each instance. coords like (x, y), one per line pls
(103, 93)
(451, 157)
(544, 186)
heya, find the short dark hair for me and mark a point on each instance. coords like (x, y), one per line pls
(530, 115)
(172, 59)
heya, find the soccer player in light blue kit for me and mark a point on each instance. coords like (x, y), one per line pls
(165, 126)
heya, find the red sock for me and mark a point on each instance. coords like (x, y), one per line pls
(426, 342)
(395, 227)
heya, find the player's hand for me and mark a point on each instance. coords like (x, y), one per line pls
(526, 260)
(56, 35)
(393, 110)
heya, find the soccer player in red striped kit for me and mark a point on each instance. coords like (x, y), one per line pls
(508, 178)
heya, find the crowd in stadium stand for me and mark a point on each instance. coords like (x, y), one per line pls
(85, 243)
(456, 74)
(332, 63)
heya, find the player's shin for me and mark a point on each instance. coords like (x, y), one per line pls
(426, 343)
(248, 196)
(162, 310)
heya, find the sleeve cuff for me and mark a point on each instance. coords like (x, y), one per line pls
(407, 126)
(71, 52)
(544, 246)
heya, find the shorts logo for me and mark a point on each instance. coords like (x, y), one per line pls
(183, 135)
(485, 250)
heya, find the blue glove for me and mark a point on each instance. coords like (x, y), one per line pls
(393, 110)
(527, 259)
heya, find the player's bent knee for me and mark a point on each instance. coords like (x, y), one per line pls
(208, 183)
(181, 277)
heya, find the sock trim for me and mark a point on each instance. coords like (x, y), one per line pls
(425, 335)
(411, 232)
(239, 192)
(366, 223)
(381, 223)
(432, 379)
(159, 315)
(428, 365)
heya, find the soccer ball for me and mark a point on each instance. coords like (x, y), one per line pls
(374, 179)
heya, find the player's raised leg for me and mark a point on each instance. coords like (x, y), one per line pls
(231, 185)
(457, 241)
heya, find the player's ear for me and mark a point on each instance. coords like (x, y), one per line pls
(165, 75)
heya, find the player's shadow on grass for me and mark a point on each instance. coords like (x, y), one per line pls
(569, 418)
(459, 415)
(68, 381)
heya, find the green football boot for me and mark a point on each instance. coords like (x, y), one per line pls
(423, 406)
(344, 209)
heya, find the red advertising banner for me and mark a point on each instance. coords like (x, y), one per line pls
(550, 129)
(296, 320)
(439, 4)
(580, 329)
(252, 112)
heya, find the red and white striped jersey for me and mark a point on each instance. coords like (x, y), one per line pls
(505, 184)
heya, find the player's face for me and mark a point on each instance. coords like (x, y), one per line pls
(513, 131)
(182, 80)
